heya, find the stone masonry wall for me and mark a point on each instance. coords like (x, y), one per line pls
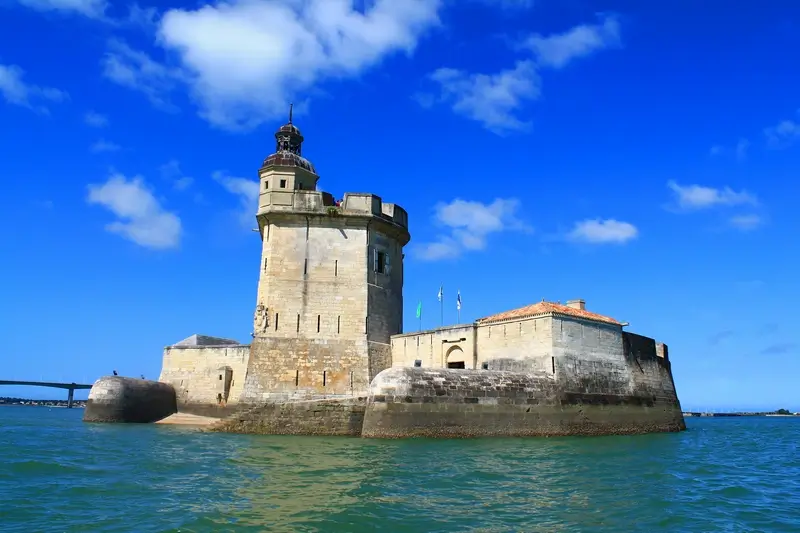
(198, 374)
(419, 402)
(432, 347)
(312, 279)
(651, 372)
(317, 417)
(282, 368)
(589, 357)
(518, 346)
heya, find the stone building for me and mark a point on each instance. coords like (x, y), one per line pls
(328, 327)
(537, 337)
(330, 290)
(524, 339)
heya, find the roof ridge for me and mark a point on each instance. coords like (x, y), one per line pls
(544, 307)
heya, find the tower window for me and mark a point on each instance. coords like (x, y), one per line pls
(338, 324)
(283, 184)
(265, 263)
(266, 185)
(276, 321)
(319, 319)
(298, 322)
(324, 377)
(305, 267)
(336, 268)
(380, 262)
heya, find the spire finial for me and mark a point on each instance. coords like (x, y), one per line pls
(291, 109)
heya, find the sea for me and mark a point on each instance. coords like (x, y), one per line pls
(58, 474)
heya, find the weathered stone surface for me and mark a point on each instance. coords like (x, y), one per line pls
(329, 295)
(121, 399)
(208, 378)
(419, 402)
(340, 417)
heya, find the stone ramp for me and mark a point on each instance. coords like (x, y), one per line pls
(186, 419)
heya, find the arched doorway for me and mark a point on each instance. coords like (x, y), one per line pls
(455, 358)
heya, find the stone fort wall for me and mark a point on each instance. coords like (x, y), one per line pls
(203, 374)
(549, 376)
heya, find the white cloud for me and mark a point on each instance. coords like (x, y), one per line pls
(739, 150)
(607, 231)
(243, 60)
(136, 70)
(172, 172)
(491, 99)
(468, 225)
(495, 100)
(144, 17)
(142, 219)
(89, 8)
(510, 4)
(782, 134)
(700, 197)
(746, 222)
(16, 91)
(103, 145)
(246, 190)
(95, 120)
(559, 49)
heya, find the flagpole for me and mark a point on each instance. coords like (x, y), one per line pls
(441, 304)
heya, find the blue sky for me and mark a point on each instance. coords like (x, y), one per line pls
(639, 155)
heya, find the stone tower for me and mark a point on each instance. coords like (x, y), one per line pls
(330, 290)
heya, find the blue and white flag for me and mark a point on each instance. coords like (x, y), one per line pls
(458, 301)
(441, 293)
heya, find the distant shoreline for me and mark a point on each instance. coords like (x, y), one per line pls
(27, 402)
(765, 413)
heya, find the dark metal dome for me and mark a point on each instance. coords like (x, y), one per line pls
(289, 147)
(289, 159)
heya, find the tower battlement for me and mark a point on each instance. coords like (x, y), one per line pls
(302, 202)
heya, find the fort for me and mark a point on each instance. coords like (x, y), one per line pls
(328, 354)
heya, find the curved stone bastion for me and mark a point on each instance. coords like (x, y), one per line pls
(120, 399)
(420, 402)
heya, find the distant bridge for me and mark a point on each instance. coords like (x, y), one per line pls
(71, 387)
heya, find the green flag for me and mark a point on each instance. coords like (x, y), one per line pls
(419, 309)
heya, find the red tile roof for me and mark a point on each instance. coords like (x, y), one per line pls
(542, 308)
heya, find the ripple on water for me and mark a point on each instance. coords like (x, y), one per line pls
(58, 474)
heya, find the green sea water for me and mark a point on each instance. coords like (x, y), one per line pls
(723, 474)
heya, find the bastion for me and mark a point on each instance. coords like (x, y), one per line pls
(328, 355)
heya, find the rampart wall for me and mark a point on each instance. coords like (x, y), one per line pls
(419, 402)
(207, 380)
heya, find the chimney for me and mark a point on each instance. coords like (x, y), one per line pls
(577, 304)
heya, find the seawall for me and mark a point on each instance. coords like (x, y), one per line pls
(339, 417)
(121, 399)
(419, 402)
